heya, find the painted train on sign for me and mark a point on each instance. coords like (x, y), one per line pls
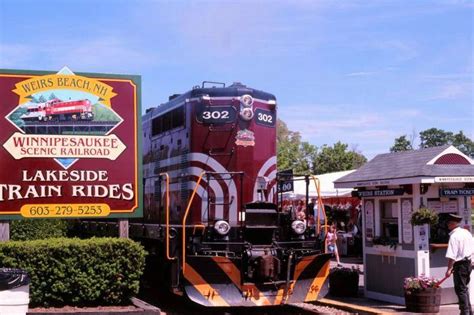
(58, 110)
(210, 207)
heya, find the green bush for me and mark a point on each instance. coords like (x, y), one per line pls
(36, 229)
(96, 271)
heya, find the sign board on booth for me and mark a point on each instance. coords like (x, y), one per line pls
(378, 193)
(70, 145)
(448, 192)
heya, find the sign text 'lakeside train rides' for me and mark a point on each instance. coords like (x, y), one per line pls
(69, 145)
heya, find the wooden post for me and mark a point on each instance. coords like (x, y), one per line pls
(4, 231)
(123, 228)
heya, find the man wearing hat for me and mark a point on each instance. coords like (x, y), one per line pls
(460, 249)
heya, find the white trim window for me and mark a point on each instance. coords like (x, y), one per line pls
(389, 219)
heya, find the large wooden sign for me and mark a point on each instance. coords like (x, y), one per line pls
(69, 145)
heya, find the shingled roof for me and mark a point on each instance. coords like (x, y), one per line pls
(415, 163)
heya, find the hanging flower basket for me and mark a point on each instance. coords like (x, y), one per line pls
(424, 216)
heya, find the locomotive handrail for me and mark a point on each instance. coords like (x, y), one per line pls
(167, 211)
(184, 220)
(320, 208)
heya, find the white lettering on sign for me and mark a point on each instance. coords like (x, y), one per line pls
(374, 183)
(455, 179)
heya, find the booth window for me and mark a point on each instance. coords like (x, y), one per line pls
(389, 219)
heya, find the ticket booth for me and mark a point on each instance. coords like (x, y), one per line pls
(391, 186)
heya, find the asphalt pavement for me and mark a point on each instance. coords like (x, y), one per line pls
(364, 305)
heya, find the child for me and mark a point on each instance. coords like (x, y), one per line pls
(331, 241)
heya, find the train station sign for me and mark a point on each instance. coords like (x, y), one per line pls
(448, 192)
(70, 145)
(379, 193)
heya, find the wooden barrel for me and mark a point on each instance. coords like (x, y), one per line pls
(425, 301)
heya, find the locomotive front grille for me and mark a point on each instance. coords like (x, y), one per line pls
(261, 218)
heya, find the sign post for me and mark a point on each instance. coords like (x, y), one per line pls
(4, 231)
(70, 145)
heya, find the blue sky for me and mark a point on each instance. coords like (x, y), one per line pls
(360, 72)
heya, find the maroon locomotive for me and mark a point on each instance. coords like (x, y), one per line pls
(58, 110)
(210, 206)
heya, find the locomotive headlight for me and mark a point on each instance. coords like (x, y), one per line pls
(298, 227)
(222, 227)
(246, 100)
(246, 113)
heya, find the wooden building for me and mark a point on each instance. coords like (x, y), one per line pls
(391, 186)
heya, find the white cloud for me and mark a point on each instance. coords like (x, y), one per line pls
(453, 91)
(449, 76)
(361, 74)
(100, 54)
(407, 113)
(11, 56)
(402, 50)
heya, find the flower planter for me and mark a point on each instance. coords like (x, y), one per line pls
(343, 282)
(424, 301)
(385, 248)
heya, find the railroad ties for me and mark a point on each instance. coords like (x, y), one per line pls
(69, 127)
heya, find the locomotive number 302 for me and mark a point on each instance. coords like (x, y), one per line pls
(265, 117)
(215, 114)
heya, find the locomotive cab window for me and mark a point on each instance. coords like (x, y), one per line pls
(170, 120)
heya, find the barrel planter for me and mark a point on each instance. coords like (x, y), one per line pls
(423, 301)
(344, 282)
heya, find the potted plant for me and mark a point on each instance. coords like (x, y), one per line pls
(344, 281)
(424, 216)
(422, 294)
(385, 241)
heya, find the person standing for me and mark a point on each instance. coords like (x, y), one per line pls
(460, 249)
(332, 243)
(354, 231)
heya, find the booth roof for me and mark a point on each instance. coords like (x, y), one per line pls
(409, 164)
(327, 186)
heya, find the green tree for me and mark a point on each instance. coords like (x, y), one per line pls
(15, 116)
(52, 96)
(42, 99)
(401, 144)
(337, 158)
(434, 137)
(463, 143)
(292, 153)
(102, 113)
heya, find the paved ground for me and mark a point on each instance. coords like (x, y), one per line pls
(363, 305)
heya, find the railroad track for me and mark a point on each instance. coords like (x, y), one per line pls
(173, 305)
(69, 123)
(79, 127)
